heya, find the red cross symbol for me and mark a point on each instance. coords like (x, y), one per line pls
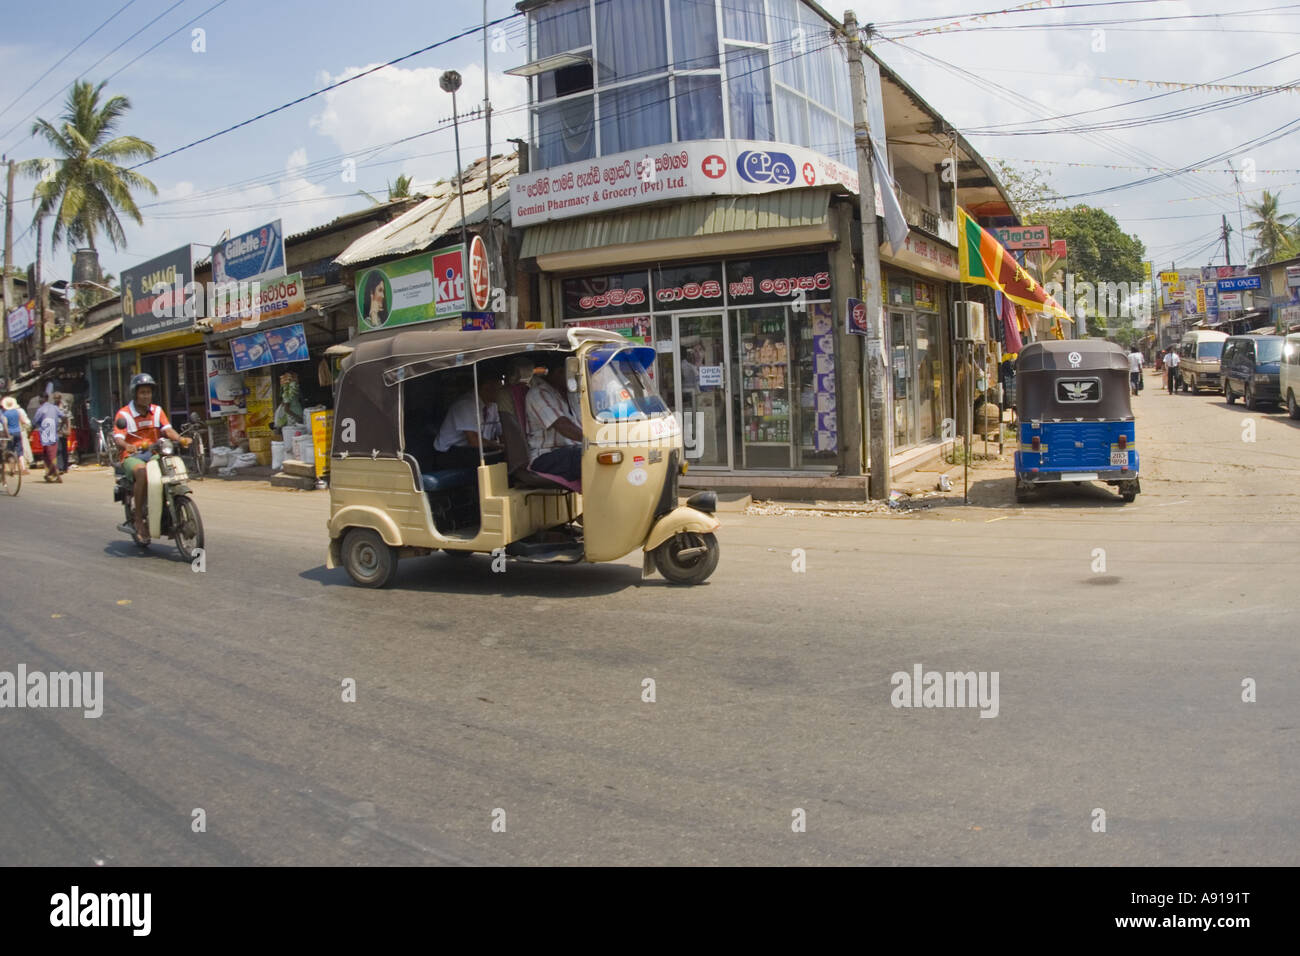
(809, 174)
(714, 166)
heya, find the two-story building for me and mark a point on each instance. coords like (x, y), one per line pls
(693, 184)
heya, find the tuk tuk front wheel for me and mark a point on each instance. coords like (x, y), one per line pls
(369, 561)
(687, 558)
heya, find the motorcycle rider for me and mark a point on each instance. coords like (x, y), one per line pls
(136, 426)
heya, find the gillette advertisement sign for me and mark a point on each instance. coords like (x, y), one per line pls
(256, 254)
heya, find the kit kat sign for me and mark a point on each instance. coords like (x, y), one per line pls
(702, 168)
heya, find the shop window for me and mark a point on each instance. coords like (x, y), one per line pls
(695, 34)
(699, 108)
(566, 132)
(791, 117)
(743, 20)
(632, 117)
(631, 39)
(749, 94)
(565, 81)
(788, 64)
(561, 27)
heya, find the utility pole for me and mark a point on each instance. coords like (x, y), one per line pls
(39, 294)
(1227, 253)
(487, 132)
(880, 478)
(9, 252)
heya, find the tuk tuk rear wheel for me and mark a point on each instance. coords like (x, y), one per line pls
(369, 561)
(692, 568)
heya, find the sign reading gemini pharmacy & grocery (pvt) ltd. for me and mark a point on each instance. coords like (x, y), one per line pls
(709, 167)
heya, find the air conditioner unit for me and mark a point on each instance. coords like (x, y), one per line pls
(968, 321)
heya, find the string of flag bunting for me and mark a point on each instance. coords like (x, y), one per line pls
(1215, 87)
(956, 24)
(1142, 169)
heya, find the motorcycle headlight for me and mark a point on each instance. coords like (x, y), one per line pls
(165, 447)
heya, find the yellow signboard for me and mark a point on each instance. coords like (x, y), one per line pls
(1200, 299)
(1166, 278)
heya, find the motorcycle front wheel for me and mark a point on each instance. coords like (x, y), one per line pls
(188, 531)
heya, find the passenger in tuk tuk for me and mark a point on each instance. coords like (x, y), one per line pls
(459, 438)
(554, 429)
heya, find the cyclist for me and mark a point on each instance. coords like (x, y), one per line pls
(136, 426)
(14, 426)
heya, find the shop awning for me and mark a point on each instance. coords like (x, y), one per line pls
(722, 225)
(82, 340)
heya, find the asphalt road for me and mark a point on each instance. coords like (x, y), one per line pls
(1120, 689)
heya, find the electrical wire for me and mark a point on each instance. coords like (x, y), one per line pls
(53, 66)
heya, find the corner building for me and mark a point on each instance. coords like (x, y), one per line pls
(693, 185)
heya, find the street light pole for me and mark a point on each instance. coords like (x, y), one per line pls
(450, 83)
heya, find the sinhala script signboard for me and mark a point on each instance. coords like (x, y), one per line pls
(700, 168)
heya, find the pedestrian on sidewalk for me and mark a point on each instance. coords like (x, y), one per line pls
(1171, 369)
(65, 429)
(47, 419)
(1135, 369)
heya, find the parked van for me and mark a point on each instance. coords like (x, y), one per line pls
(1289, 374)
(1199, 353)
(1250, 367)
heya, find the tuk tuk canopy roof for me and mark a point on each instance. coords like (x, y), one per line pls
(368, 413)
(1073, 380)
(1092, 355)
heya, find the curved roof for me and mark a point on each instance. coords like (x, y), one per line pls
(1093, 354)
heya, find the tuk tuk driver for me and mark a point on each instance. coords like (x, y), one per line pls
(458, 441)
(554, 435)
(137, 425)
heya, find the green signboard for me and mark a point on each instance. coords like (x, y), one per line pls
(416, 289)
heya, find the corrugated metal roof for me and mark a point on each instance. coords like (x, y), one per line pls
(91, 335)
(418, 228)
(696, 217)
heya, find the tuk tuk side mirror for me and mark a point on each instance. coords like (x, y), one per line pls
(571, 370)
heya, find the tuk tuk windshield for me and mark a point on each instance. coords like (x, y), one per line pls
(620, 386)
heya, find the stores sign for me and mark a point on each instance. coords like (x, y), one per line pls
(701, 168)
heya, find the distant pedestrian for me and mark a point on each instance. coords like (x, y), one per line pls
(1135, 369)
(65, 428)
(1171, 369)
(47, 419)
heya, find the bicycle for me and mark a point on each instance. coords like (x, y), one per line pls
(196, 456)
(11, 469)
(104, 444)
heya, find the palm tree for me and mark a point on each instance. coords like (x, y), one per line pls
(400, 189)
(1270, 227)
(84, 188)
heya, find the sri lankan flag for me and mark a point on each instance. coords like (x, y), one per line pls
(984, 261)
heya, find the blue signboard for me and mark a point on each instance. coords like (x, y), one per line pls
(1238, 283)
(256, 254)
(273, 347)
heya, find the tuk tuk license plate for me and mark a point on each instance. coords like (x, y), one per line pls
(1119, 458)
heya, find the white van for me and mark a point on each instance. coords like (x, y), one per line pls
(1289, 374)
(1198, 354)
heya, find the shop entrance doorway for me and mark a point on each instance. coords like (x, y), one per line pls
(693, 369)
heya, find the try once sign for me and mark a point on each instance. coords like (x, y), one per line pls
(1021, 238)
(1238, 283)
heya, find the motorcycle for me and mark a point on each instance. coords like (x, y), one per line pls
(169, 509)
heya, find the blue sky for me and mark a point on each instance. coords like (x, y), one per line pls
(261, 54)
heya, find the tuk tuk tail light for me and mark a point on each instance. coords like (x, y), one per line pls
(1036, 444)
(610, 457)
(1123, 442)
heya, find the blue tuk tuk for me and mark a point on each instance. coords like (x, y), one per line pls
(1075, 419)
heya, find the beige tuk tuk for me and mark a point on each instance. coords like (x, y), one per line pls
(388, 500)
